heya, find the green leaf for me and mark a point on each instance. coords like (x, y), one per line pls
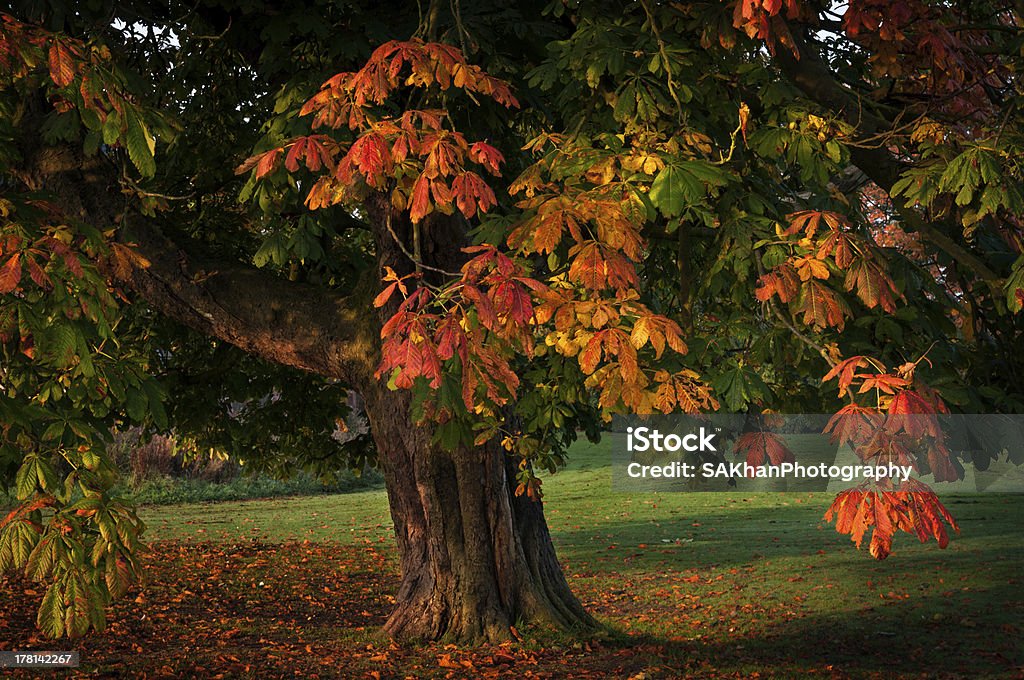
(1015, 284)
(23, 542)
(47, 476)
(111, 128)
(61, 342)
(41, 560)
(25, 478)
(54, 431)
(135, 404)
(50, 618)
(154, 398)
(140, 143)
(6, 551)
(625, 105)
(117, 575)
(667, 191)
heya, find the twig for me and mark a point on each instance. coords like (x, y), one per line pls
(412, 258)
(810, 342)
(664, 58)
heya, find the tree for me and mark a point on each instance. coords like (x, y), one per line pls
(499, 226)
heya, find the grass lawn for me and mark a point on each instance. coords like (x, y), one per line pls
(719, 585)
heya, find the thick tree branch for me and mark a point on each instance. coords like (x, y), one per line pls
(281, 321)
(813, 77)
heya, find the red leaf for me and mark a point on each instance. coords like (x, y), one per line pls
(884, 382)
(73, 264)
(39, 276)
(450, 337)
(760, 448)
(441, 193)
(854, 424)
(267, 162)
(591, 354)
(511, 301)
(472, 193)
(431, 364)
(420, 207)
(291, 161)
(409, 358)
(783, 281)
(910, 412)
(483, 306)
(10, 274)
(487, 156)
(370, 155)
(62, 65)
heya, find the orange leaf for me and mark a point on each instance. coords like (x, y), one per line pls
(62, 65)
(264, 163)
(821, 306)
(385, 295)
(10, 274)
(487, 156)
(881, 381)
(420, 206)
(845, 370)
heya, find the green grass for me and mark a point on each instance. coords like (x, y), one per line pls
(754, 578)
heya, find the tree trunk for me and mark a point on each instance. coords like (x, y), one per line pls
(475, 558)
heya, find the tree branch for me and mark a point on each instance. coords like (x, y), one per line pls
(285, 322)
(813, 77)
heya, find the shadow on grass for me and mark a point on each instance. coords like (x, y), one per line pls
(907, 638)
(990, 531)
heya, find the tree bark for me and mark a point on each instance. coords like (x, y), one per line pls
(475, 558)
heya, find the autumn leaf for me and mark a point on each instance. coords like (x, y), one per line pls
(821, 306)
(809, 267)
(809, 221)
(873, 284)
(420, 206)
(512, 302)
(10, 274)
(596, 267)
(883, 382)
(472, 194)
(783, 281)
(761, 448)
(62, 64)
(854, 424)
(909, 411)
(37, 273)
(840, 246)
(487, 156)
(385, 295)
(845, 371)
